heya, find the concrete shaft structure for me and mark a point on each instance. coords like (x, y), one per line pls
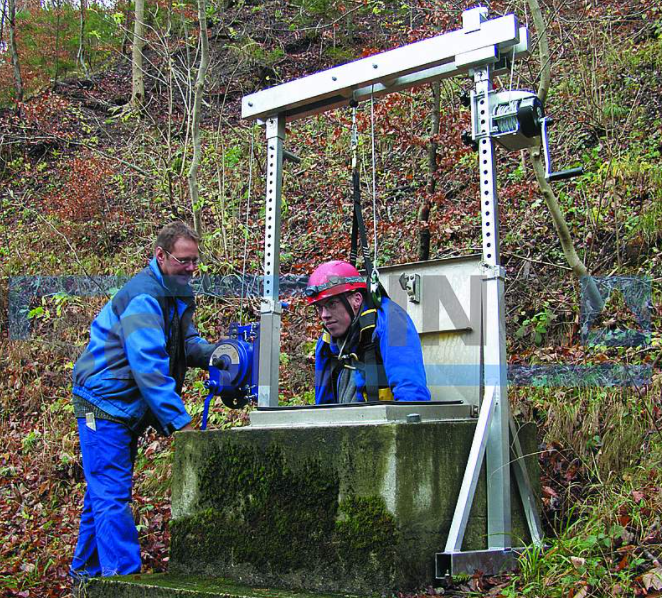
(343, 508)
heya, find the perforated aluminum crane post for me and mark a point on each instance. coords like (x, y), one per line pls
(480, 49)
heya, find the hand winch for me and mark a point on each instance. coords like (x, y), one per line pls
(518, 122)
(233, 368)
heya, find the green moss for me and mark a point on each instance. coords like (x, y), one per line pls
(366, 526)
(367, 533)
(258, 510)
(340, 54)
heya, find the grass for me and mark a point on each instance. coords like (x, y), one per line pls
(601, 493)
(604, 548)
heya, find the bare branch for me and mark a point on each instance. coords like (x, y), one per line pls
(562, 230)
(17, 139)
(197, 109)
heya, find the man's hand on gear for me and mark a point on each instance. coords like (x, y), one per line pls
(187, 428)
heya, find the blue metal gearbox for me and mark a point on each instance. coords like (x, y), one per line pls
(233, 369)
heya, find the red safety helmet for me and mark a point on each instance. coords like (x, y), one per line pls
(333, 278)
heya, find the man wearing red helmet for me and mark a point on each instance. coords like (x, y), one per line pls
(366, 353)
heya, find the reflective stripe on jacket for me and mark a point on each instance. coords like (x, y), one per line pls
(401, 355)
(126, 369)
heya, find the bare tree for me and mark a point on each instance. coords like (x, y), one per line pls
(127, 36)
(3, 15)
(81, 41)
(57, 4)
(197, 109)
(137, 79)
(18, 81)
(574, 261)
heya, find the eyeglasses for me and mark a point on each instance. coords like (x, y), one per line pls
(330, 304)
(183, 262)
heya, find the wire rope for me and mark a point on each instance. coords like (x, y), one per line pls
(512, 70)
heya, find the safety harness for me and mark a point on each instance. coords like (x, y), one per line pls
(364, 356)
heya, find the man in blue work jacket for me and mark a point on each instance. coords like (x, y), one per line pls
(366, 353)
(129, 377)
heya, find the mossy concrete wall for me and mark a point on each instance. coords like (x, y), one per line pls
(349, 508)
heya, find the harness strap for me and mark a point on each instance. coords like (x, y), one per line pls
(371, 364)
(368, 361)
(358, 227)
(367, 321)
(175, 344)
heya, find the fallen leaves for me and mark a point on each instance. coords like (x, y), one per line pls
(577, 562)
(40, 504)
(652, 579)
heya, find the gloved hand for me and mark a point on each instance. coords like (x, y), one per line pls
(222, 362)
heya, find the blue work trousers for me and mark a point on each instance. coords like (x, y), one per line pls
(107, 538)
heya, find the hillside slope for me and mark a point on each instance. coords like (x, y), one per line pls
(84, 185)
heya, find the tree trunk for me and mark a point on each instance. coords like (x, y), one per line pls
(18, 81)
(3, 16)
(543, 49)
(424, 209)
(195, 124)
(138, 82)
(560, 224)
(562, 230)
(81, 42)
(169, 170)
(58, 20)
(127, 37)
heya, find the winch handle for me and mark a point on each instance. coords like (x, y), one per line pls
(561, 174)
(215, 387)
(205, 411)
(565, 174)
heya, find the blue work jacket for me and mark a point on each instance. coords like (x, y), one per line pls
(126, 370)
(401, 355)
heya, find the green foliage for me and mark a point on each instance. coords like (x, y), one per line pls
(154, 465)
(48, 42)
(255, 54)
(603, 427)
(322, 8)
(178, 19)
(339, 54)
(30, 441)
(601, 544)
(638, 55)
(232, 156)
(56, 302)
(536, 326)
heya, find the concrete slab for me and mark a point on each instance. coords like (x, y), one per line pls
(360, 413)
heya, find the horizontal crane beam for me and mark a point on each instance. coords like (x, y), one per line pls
(431, 59)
